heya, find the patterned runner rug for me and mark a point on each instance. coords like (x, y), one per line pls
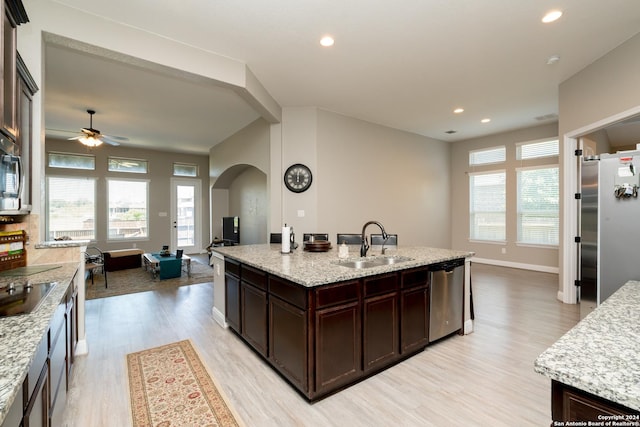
(169, 386)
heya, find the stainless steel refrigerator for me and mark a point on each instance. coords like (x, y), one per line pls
(610, 226)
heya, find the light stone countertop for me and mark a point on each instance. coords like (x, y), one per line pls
(312, 269)
(20, 335)
(601, 354)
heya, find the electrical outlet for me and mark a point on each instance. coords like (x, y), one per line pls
(300, 213)
(504, 251)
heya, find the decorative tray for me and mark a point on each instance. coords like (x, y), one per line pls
(317, 246)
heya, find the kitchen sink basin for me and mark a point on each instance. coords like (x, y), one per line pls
(373, 261)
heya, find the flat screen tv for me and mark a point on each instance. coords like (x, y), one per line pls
(231, 230)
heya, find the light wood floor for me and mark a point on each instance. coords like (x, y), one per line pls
(482, 379)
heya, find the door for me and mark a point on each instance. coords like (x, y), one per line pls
(186, 214)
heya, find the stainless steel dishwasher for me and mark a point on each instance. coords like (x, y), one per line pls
(446, 298)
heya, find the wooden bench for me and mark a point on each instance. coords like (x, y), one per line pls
(121, 259)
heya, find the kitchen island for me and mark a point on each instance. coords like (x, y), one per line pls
(38, 347)
(324, 325)
(595, 367)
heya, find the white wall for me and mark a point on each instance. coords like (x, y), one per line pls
(248, 200)
(372, 172)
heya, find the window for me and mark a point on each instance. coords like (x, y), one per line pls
(537, 149)
(117, 164)
(128, 209)
(487, 206)
(538, 205)
(183, 169)
(71, 161)
(71, 208)
(487, 156)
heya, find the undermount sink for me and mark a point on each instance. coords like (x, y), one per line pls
(373, 261)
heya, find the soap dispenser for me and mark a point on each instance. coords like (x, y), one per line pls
(343, 250)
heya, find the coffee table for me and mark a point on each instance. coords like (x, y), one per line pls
(154, 263)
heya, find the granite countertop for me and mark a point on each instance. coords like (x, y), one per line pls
(601, 354)
(61, 244)
(319, 268)
(20, 335)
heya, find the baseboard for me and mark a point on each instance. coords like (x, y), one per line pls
(81, 348)
(522, 266)
(468, 326)
(219, 317)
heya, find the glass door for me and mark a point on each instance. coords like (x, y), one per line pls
(186, 215)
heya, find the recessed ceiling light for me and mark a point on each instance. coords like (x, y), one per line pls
(551, 16)
(458, 110)
(485, 120)
(327, 41)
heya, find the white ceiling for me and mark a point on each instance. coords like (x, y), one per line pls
(404, 64)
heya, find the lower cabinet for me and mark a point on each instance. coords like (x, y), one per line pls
(37, 412)
(232, 300)
(571, 404)
(324, 338)
(254, 317)
(414, 310)
(44, 390)
(380, 321)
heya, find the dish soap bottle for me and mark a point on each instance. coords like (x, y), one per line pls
(343, 251)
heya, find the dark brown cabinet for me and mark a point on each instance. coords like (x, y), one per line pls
(338, 336)
(253, 301)
(58, 364)
(380, 321)
(324, 338)
(26, 89)
(414, 310)
(288, 331)
(571, 404)
(232, 294)
(13, 14)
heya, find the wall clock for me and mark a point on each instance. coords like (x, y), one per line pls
(297, 178)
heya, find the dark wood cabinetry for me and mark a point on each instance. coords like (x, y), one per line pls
(58, 364)
(232, 294)
(288, 331)
(24, 105)
(338, 342)
(570, 404)
(414, 310)
(380, 321)
(324, 338)
(253, 303)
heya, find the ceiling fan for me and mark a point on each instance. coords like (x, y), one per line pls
(92, 137)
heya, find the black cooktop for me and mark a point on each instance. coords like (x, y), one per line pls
(22, 298)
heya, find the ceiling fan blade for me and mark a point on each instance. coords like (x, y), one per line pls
(116, 138)
(73, 138)
(108, 140)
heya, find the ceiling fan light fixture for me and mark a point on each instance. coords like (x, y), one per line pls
(90, 141)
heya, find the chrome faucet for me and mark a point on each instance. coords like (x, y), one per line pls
(365, 244)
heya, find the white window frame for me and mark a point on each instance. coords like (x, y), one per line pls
(519, 242)
(472, 215)
(502, 147)
(519, 146)
(48, 207)
(148, 216)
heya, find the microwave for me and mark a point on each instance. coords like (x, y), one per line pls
(11, 176)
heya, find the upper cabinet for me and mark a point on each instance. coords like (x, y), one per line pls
(13, 14)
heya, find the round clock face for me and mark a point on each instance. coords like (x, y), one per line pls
(297, 178)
